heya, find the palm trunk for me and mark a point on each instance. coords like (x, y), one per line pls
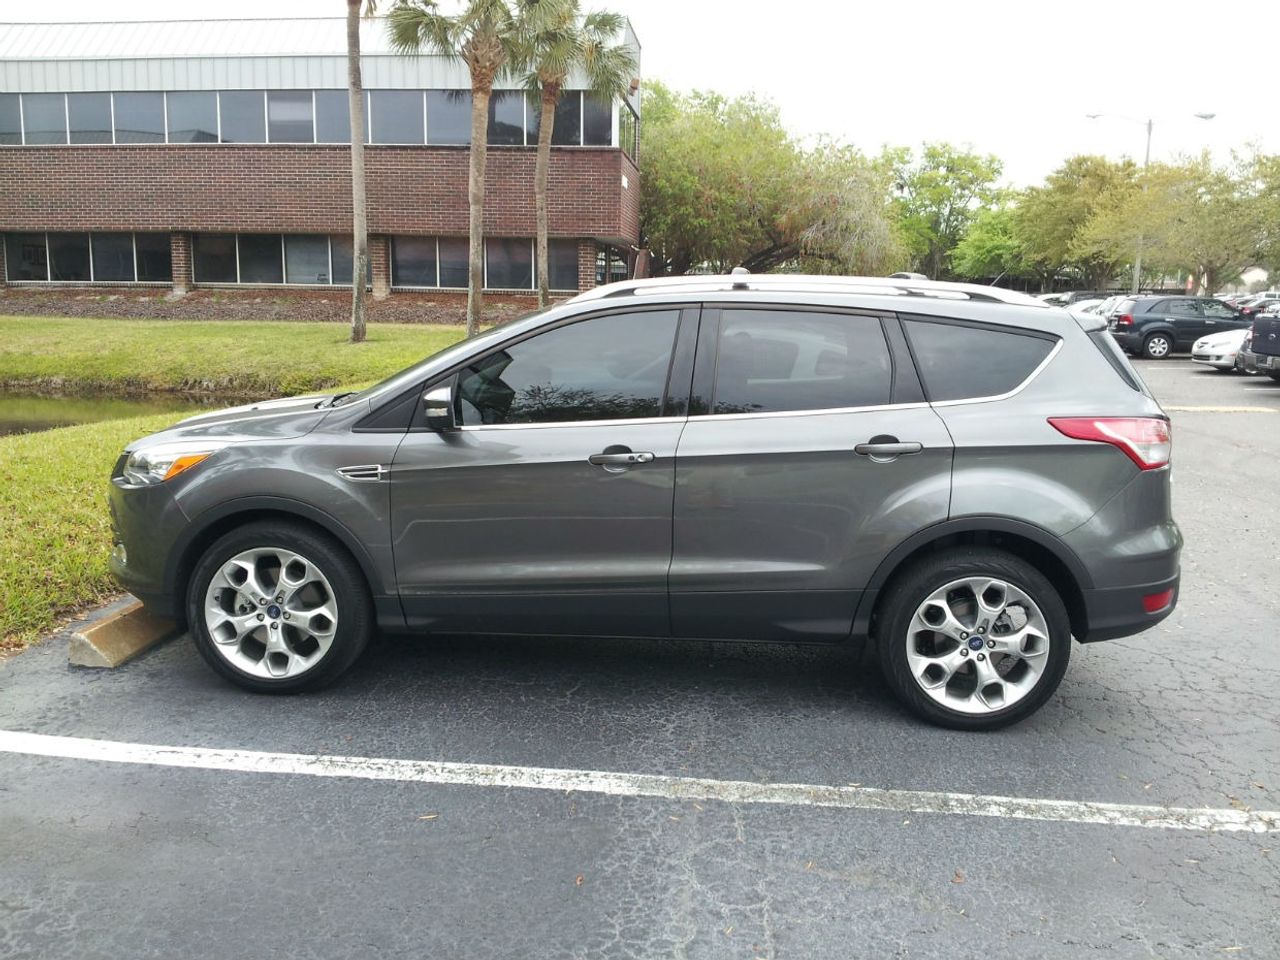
(475, 195)
(546, 126)
(359, 224)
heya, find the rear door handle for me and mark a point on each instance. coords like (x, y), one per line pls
(885, 449)
(619, 459)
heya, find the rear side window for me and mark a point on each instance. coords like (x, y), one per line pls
(959, 362)
(776, 360)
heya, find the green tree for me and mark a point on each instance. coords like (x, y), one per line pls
(992, 247)
(938, 197)
(557, 40)
(485, 35)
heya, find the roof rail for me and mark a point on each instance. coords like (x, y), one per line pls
(874, 286)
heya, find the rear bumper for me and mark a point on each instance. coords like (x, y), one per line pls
(1120, 611)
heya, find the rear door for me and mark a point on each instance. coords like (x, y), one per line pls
(808, 455)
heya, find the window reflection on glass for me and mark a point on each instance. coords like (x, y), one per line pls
(112, 256)
(607, 368)
(506, 118)
(193, 117)
(242, 114)
(139, 117)
(89, 115)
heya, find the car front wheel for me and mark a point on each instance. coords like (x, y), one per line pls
(278, 607)
(973, 639)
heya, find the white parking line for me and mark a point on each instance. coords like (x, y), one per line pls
(1171, 409)
(645, 785)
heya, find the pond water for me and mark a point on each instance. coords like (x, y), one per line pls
(28, 413)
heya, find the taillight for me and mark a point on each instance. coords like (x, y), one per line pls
(1144, 440)
(1124, 320)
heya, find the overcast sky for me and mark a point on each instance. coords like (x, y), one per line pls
(1003, 77)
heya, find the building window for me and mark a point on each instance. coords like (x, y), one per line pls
(193, 117)
(506, 118)
(89, 116)
(306, 259)
(455, 261)
(69, 256)
(261, 258)
(611, 265)
(152, 255)
(508, 264)
(44, 117)
(139, 117)
(10, 120)
(333, 116)
(214, 258)
(395, 116)
(597, 122)
(289, 117)
(629, 131)
(449, 117)
(413, 262)
(112, 257)
(26, 256)
(568, 128)
(562, 264)
(242, 116)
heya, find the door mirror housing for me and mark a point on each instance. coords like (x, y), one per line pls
(437, 408)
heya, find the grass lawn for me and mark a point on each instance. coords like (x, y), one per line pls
(235, 357)
(56, 532)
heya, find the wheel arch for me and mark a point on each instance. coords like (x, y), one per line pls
(1034, 544)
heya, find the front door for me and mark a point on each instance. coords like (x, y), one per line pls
(1188, 321)
(549, 509)
(813, 456)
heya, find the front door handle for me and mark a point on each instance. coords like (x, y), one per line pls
(620, 458)
(881, 449)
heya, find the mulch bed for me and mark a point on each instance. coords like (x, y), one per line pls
(301, 305)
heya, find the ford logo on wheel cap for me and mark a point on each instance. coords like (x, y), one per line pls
(975, 643)
(273, 611)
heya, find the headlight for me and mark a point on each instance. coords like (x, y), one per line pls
(165, 461)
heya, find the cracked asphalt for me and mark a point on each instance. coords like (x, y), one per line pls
(118, 860)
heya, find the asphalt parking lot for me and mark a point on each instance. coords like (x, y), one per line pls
(195, 852)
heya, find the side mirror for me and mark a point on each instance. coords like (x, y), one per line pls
(437, 406)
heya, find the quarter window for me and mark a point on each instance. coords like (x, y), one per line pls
(607, 368)
(959, 362)
(776, 360)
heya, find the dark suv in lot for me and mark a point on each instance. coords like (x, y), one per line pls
(1156, 326)
(963, 474)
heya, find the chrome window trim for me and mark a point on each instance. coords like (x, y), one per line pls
(814, 412)
(636, 421)
(1012, 393)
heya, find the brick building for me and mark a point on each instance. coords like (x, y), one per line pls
(216, 152)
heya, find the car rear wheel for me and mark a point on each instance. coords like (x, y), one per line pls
(1157, 346)
(973, 639)
(278, 608)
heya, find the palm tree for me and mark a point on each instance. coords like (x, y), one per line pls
(484, 36)
(557, 39)
(359, 222)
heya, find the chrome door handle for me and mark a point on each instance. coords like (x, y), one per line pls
(615, 459)
(888, 449)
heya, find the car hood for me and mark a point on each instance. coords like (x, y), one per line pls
(1227, 338)
(265, 420)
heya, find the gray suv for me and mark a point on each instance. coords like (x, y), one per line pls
(963, 474)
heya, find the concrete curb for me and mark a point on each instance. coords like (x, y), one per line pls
(120, 635)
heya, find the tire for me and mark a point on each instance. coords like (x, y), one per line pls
(1158, 346)
(301, 643)
(909, 649)
(1275, 375)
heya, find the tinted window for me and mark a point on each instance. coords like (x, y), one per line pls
(193, 117)
(396, 116)
(10, 119)
(568, 128)
(609, 368)
(506, 118)
(562, 264)
(413, 261)
(455, 254)
(1124, 306)
(1181, 308)
(243, 116)
(774, 360)
(959, 362)
(26, 257)
(214, 257)
(139, 117)
(113, 256)
(1115, 356)
(449, 117)
(153, 254)
(509, 264)
(90, 117)
(260, 258)
(289, 116)
(44, 117)
(1219, 310)
(597, 122)
(69, 256)
(344, 260)
(333, 116)
(306, 259)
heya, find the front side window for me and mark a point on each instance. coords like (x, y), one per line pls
(776, 360)
(90, 117)
(1217, 309)
(959, 362)
(607, 368)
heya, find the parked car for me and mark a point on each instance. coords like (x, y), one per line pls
(1246, 359)
(1156, 326)
(1265, 344)
(1220, 350)
(965, 475)
(1256, 305)
(1087, 306)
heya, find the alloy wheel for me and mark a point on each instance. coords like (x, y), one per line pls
(1158, 347)
(271, 612)
(977, 645)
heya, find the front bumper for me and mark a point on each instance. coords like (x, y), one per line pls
(1120, 611)
(146, 523)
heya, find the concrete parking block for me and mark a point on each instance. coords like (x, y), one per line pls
(118, 636)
